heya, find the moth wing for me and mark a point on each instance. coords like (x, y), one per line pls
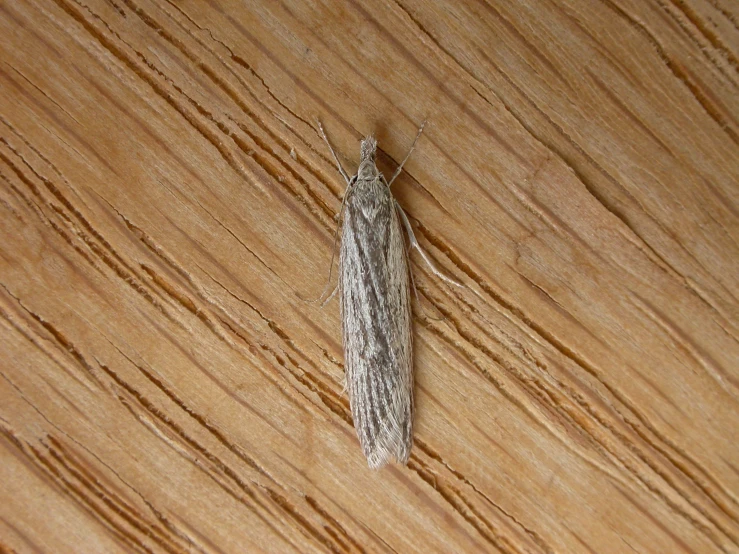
(376, 315)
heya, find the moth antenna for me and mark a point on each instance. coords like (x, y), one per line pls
(336, 158)
(338, 223)
(408, 155)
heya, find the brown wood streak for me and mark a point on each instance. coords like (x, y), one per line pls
(219, 466)
(266, 163)
(166, 201)
(681, 72)
(666, 448)
(575, 164)
(715, 40)
(78, 491)
(96, 243)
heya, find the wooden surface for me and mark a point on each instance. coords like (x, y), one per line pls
(167, 207)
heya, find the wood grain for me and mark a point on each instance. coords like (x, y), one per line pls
(167, 212)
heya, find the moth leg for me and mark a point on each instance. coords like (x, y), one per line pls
(336, 288)
(336, 158)
(414, 244)
(330, 271)
(333, 251)
(408, 155)
(415, 288)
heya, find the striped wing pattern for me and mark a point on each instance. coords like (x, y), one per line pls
(376, 316)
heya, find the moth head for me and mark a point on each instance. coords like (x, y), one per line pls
(368, 153)
(369, 148)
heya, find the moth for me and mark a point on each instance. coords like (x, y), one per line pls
(375, 304)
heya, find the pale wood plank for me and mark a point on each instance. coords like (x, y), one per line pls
(168, 206)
